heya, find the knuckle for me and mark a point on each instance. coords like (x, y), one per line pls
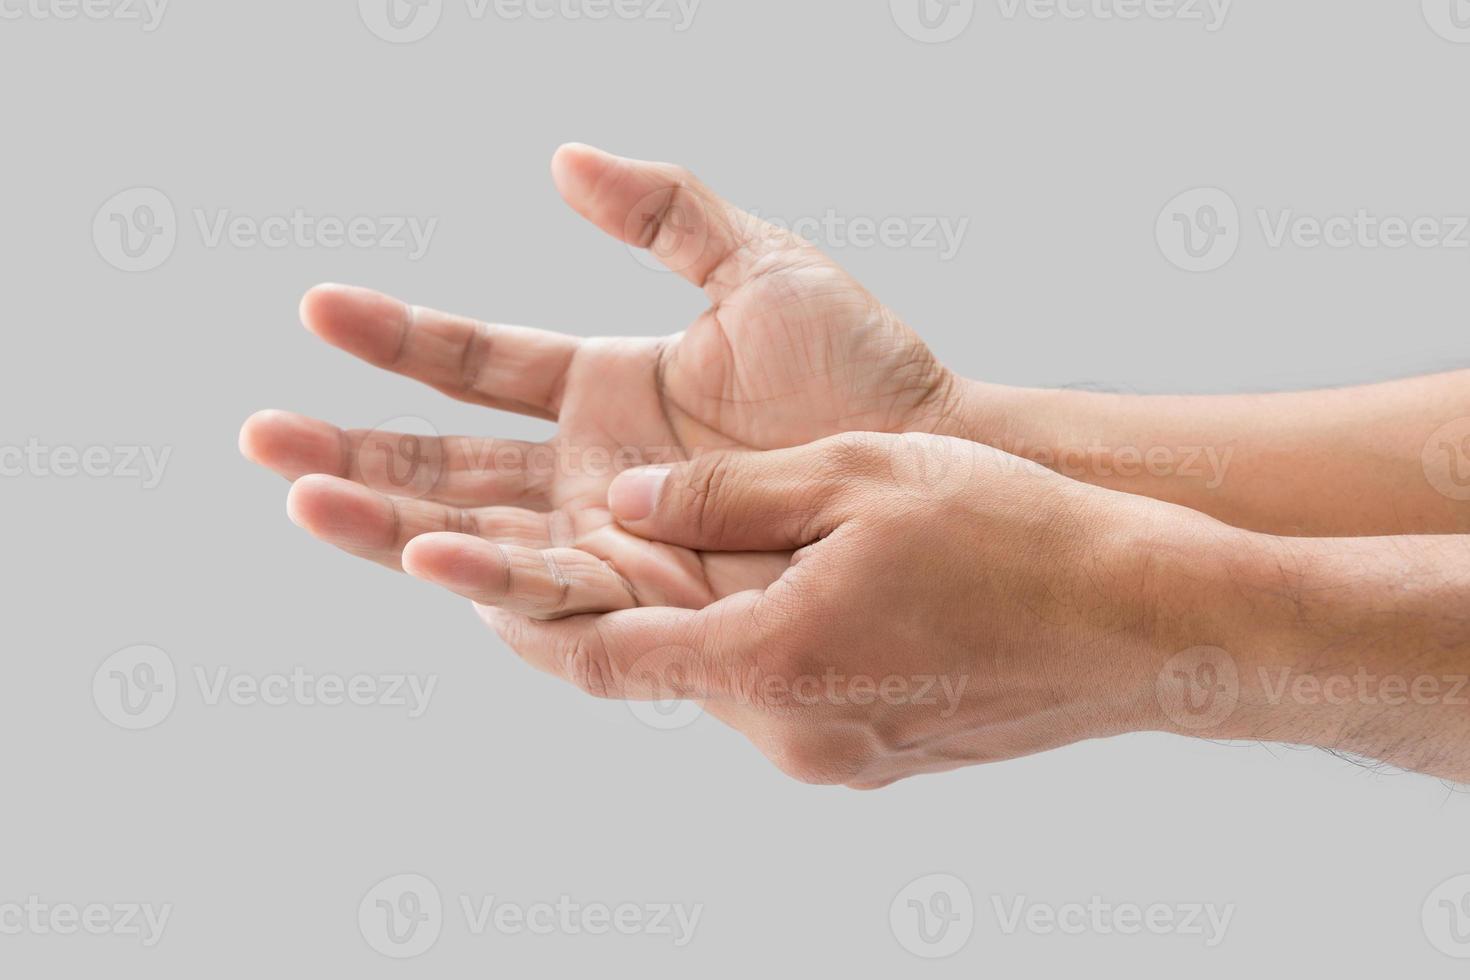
(685, 195)
(816, 762)
(705, 490)
(587, 666)
(852, 453)
(561, 583)
(809, 654)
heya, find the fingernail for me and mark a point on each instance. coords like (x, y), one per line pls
(634, 494)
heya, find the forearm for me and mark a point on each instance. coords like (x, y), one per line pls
(1390, 458)
(1355, 645)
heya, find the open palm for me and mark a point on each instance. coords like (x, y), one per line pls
(791, 350)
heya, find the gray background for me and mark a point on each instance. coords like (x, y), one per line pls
(1060, 142)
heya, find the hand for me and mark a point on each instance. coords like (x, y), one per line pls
(791, 349)
(948, 605)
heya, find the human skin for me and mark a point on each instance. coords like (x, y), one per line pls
(793, 350)
(1057, 610)
(1382, 459)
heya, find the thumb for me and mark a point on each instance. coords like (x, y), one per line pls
(667, 210)
(734, 501)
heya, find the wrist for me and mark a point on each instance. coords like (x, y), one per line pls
(1202, 618)
(1352, 645)
(1033, 423)
(1168, 572)
(975, 411)
(1128, 588)
(1223, 621)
